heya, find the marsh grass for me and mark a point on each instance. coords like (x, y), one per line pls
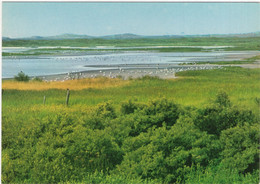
(249, 43)
(97, 83)
(191, 88)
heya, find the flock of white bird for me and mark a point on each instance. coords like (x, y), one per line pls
(127, 73)
(125, 67)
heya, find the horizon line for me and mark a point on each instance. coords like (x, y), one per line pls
(132, 34)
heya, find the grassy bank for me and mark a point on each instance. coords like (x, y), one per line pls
(245, 61)
(148, 130)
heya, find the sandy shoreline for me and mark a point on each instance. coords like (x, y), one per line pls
(161, 71)
(164, 71)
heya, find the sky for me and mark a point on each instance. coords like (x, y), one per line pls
(97, 19)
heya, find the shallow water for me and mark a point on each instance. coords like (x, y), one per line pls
(15, 49)
(22, 49)
(66, 64)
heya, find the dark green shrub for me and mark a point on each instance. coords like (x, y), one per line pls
(154, 114)
(101, 116)
(21, 77)
(119, 77)
(58, 149)
(148, 77)
(158, 140)
(240, 147)
(101, 178)
(95, 122)
(165, 154)
(106, 110)
(168, 111)
(129, 107)
(221, 116)
(222, 99)
(37, 79)
(257, 101)
(220, 174)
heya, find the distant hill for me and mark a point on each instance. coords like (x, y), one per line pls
(122, 36)
(68, 36)
(134, 36)
(58, 37)
(242, 35)
(129, 36)
(6, 38)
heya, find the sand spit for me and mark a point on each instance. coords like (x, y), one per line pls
(164, 71)
(161, 71)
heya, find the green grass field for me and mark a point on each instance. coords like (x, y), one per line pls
(249, 43)
(244, 61)
(147, 130)
(238, 44)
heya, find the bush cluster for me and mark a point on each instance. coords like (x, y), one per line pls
(153, 142)
(21, 77)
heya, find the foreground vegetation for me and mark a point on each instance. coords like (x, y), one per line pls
(148, 130)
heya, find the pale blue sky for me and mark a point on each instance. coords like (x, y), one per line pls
(96, 19)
